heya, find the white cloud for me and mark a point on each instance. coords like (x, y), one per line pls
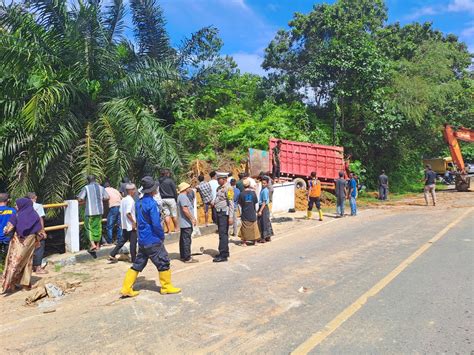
(468, 33)
(249, 63)
(422, 11)
(452, 6)
(461, 6)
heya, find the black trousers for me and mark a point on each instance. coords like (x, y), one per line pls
(214, 215)
(156, 253)
(265, 224)
(276, 171)
(130, 236)
(185, 243)
(223, 230)
(314, 201)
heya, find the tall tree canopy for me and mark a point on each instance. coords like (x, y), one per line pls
(78, 98)
(386, 89)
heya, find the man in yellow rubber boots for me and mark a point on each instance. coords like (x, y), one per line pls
(150, 242)
(314, 196)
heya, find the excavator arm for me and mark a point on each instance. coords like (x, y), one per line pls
(452, 136)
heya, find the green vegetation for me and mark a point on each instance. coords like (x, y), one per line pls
(77, 97)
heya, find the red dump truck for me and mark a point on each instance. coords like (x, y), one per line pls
(298, 160)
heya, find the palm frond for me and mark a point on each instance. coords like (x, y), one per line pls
(46, 102)
(87, 158)
(150, 29)
(52, 14)
(114, 20)
(147, 80)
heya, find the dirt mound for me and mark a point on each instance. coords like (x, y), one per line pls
(200, 211)
(301, 199)
(198, 167)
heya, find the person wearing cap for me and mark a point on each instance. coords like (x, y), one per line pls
(150, 242)
(186, 222)
(224, 207)
(129, 224)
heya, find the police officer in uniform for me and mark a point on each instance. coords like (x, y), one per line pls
(224, 206)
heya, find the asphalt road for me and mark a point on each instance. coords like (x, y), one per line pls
(299, 292)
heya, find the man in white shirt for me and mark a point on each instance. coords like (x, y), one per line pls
(129, 224)
(39, 251)
(214, 185)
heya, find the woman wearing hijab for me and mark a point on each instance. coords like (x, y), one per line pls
(19, 263)
(249, 232)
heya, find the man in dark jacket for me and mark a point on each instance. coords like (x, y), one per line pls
(383, 186)
(341, 193)
(169, 196)
(150, 242)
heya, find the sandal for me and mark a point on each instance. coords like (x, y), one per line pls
(41, 271)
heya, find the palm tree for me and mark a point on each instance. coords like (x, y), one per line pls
(77, 99)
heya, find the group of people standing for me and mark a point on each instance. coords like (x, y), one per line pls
(346, 189)
(224, 199)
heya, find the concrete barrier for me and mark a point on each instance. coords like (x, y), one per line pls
(283, 197)
(71, 219)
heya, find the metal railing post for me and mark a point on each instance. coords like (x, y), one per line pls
(71, 219)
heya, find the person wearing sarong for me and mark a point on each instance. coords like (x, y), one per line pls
(264, 223)
(27, 228)
(94, 196)
(248, 200)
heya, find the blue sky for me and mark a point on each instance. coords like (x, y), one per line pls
(247, 26)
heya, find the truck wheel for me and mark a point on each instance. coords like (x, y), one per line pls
(300, 183)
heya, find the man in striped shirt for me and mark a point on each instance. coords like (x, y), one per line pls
(94, 196)
(205, 190)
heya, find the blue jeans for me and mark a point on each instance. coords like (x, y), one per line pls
(113, 219)
(38, 255)
(383, 193)
(340, 206)
(353, 206)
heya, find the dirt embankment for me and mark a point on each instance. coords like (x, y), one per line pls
(301, 199)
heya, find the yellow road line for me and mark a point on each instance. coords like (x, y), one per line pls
(347, 313)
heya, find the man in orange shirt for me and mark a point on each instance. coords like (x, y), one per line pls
(314, 195)
(113, 217)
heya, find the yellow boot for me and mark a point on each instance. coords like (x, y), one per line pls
(166, 285)
(320, 214)
(127, 288)
(309, 214)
